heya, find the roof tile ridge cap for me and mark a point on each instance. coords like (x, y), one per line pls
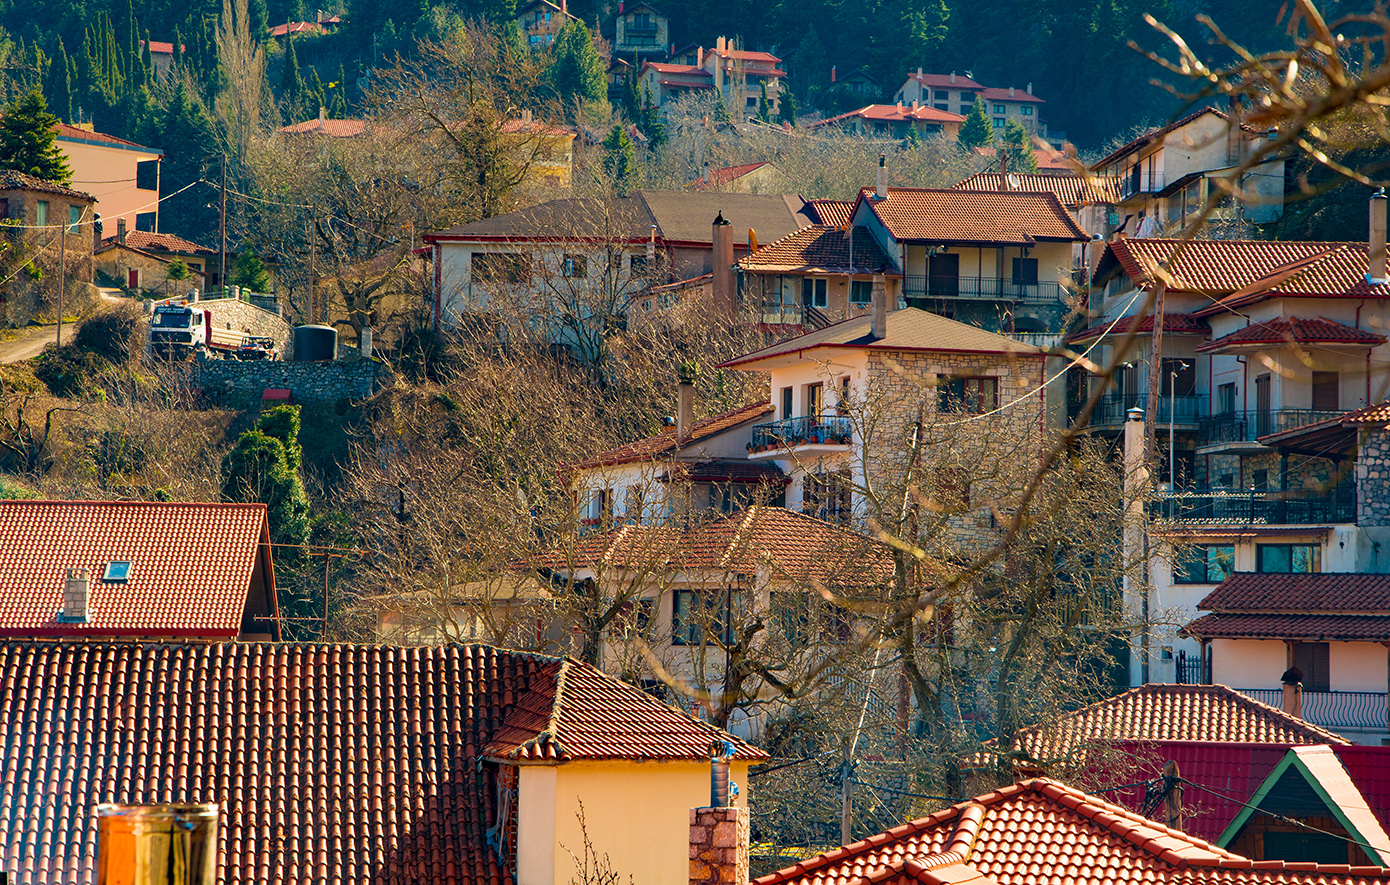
(967, 831)
(552, 725)
(851, 849)
(742, 536)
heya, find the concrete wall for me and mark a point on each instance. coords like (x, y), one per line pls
(240, 384)
(1248, 663)
(106, 170)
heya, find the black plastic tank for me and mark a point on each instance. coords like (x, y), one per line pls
(315, 343)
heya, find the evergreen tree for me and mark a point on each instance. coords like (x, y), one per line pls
(976, 131)
(650, 121)
(59, 88)
(632, 96)
(786, 109)
(249, 272)
(146, 60)
(809, 64)
(576, 74)
(313, 92)
(721, 110)
(260, 20)
(291, 84)
(263, 468)
(764, 112)
(28, 142)
(513, 40)
(1018, 148)
(619, 159)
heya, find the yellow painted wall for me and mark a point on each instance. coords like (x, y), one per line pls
(108, 173)
(637, 813)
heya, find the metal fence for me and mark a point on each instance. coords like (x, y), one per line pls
(1250, 426)
(983, 288)
(1260, 507)
(815, 429)
(1185, 408)
(1333, 709)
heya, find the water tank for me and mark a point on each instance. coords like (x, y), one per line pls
(312, 343)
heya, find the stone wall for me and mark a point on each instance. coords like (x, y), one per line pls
(719, 846)
(228, 313)
(1373, 480)
(240, 384)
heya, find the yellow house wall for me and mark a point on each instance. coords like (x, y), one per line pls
(108, 173)
(637, 813)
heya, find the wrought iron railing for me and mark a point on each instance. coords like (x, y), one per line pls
(1250, 426)
(1185, 408)
(1140, 184)
(811, 430)
(1333, 709)
(1260, 507)
(985, 288)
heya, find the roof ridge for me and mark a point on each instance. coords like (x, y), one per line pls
(552, 726)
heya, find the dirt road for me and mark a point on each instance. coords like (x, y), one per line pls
(31, 341)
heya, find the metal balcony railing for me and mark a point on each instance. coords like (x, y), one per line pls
(1250, 426)
(1184, 409)
(1334, 709)
(1260, 507)
(983, 288)
(793, 432)
(1131, 185)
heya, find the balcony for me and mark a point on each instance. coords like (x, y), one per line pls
(1334, 709)
(1184, 410)
(1238, 427)
(812, 435)
(1259, 507)
(1133, 185)
(984, 289)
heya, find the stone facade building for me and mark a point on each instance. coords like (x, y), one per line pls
(36, 213)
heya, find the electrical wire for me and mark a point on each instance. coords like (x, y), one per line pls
(4, 225)
(1370, 851)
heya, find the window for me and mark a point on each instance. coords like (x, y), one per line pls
(842, 398)
(828, 497)
(1301, 559)
(942, 106)
(1204, 564)
(861, 293)
(814, 293)
(1326, 393)
(1259, 479)
(804, 617)
(638, 265)
(970, 395)
(1226, 399)
(147, 175)
(1025, 271)
(998, 122)
(576, 266)
(41, 212)
(1025, 111)
(633, 505)
(752, 101)
(146, 221)
(1312, 659)
(699, 617)
(815, 399)
(116, 572)
(634, 617)
(501, 267)
(942, 95)
(999, 109)
(74, 219)
(786, 403)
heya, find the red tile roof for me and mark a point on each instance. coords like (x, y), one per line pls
(66, 131)
(1070, 190)
(1304, 628)
(820, 249)
(956, 216)
(1173, 324)
(331, 128)
(1290, 330)
(191, 570)
(726, 175)
(894, 113)
(1351, 593)
(832, 212)
(945, 81)
(679, 70)
(529, 127)
(331, 763)
(665, 442)
(1040, 832)
(14, 180)
(296, 28)
(152, 242)
(998, 93)
(159, 48)
(1161, 712)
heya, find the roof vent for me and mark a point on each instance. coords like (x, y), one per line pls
(77, 597)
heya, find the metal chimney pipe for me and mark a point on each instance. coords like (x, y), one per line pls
(1376, 252)
(881, 191)
(157, 844)
(720, 753)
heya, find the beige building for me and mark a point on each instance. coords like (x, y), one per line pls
(140, 260)
(121, 175)
(640, 30)
(541, 20)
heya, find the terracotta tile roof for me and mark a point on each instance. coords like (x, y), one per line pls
(1309, 628)
(727, 470)
(1370, 415)
(191, 567)
(159, 48)
(997, 93)
(70, 132)
(1040, 832)
(1161, 712)
(349, 763)
(744, 55)
(1173, 324)
(832, 212)
(1324, 593)
(908, 329)
(331, 128)
(1289, 330)
(1152, 136)
(945, 81)
(956, 216)
(820, 249)
(681, 70)
(152, 242)
(513, 127)
(295, 28)
(894, 113)
(666, 442)
(726, 175)
(1070, 190)
(14, 180)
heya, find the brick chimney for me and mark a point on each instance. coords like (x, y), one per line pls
(719, 833)
(878, 302)
(723, 266)
(120, 231)
(685, 408)
(1376, 252)
(77, 596)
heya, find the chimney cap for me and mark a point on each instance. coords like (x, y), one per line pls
(1134, 414)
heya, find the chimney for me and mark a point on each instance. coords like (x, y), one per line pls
(651, 253)
(719, 44)
(364, 342)
(1376, 251)
(1293, 692)
(953, 76)
(620, 7)
(699, 56)
(705, 177)
(723, 266)
(77, 596)
(526, 116)
(900, 107)
(719, 833)
(1030, 88)
(148, 843)
(323, 113)
(832, 73)
(1011, 92)
(1003, 170)
(919, 73)
(120, 231)
(878, 324)
(685, 411)
(564, 8)
(881, 189)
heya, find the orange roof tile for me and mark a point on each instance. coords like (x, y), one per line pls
(191, 566)
(1001, 93)
(1161, 712)
(1345, 593)
(1173, 324)
(331, 128)
(891, 113)
(832, 212)
(153, 242)
(1290, 330)
(1292, 627)
(820, 249)
(665, 442)
(341, 762)
(74, 133)
(1376, 414)
(14, 180)
(958, 216)
(1070, 190)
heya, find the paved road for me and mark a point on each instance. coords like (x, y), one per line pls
(31, 341)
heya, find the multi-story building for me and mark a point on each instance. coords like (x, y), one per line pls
(895, 121)
(741, 76)
(541, 20)
(957, 95)
(121, 175)
(640, 30)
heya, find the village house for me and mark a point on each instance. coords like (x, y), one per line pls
(1089, 199)
(859, 82)
(541, 20)
(741, 76)
(38, 213)
(327, 127)
(1167, 175)
(140, 260)
(664, 81)
(896, 121)
(122, 176)
(816, 276)
(640, 30)
(161, 56)
(957, 95)
(747, 178)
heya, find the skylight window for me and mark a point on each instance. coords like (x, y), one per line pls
(117, 572)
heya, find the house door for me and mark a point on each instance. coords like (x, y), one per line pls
(1262, 405)
(943, 276)
(133, 279)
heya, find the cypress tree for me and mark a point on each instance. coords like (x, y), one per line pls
(763, 107)
(291, 83)
(147, 59)
(619, 158)
(60, 84)
(786, 109)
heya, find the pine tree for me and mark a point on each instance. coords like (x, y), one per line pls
(576, 74)
(976, 131)
(786, 110)
(59, 89)
(619, 158)
(28, 141)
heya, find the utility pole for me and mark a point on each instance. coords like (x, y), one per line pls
(222, 231)
(62, 275)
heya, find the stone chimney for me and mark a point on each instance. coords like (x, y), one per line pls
(723, 266)
(881, 189)
(953, 77)
(878, 301)
(1030, 88)
(719, 833)
(77, 596)
(919, 72)
(1011, 92)
(1376, 252)
(120, 231)
(1292, 702)
(685, 408)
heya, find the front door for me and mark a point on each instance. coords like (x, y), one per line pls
(943, 276)
(1262, 405)
(133, 279)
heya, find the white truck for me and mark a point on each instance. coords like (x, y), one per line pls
(178, 329)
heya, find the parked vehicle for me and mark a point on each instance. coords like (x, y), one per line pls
(178, 330)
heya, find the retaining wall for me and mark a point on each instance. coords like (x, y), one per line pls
(240, 384)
